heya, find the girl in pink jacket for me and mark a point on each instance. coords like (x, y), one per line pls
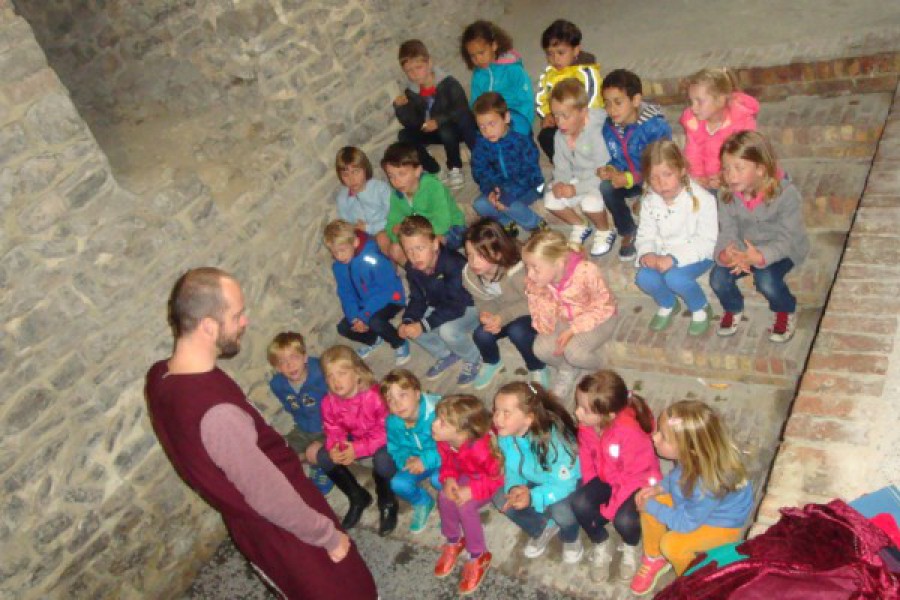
(353, 420)
(717, 110)
(617, 459)
(572, 309)
(469, 475)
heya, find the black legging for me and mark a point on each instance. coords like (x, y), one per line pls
(586, 503)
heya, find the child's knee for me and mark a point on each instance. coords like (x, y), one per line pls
(312, 452)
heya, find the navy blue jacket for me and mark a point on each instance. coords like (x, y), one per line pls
(442, 290)
(510, 163)
(368, 282)
(626, 147)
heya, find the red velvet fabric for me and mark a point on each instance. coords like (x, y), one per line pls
(825, 552)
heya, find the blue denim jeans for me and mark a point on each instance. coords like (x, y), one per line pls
(406, 485)
(453, 337)
(533, 523)
(677, 281)
(518, 210)
(520, 333)
(769, 281)
(614, 199)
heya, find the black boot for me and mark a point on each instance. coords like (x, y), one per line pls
(387, 505)
(359, 498)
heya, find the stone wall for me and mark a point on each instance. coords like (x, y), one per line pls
(90, 507)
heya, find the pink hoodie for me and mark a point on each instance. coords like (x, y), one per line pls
(361, 418)
(475, 460)
(622, 456)
(701, 148)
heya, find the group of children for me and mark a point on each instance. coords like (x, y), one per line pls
(552, 460)
(550, 472)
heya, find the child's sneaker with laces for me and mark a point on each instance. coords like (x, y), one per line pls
(364, 351)
(402, 354)
(648, 574)
(473, 573)
(486, 374)
(631, 558)
(536, 546)
(580, 233)
(468, 373)
(455, 178)
(601, 559)
(421, 512)
(784, 327)
(321, 480)
(603, 243)
(449, 554)
(627, 251)
(728, 326)
(442, 364)
(572, 551)
(541, 376)
(562, 384)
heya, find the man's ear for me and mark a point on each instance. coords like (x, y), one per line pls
(209, 326)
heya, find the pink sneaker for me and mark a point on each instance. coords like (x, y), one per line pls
(648, 574)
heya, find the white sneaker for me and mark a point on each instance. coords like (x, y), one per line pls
(536, 546)
(455, 178)
(572, 552)
(631, 560)
(563, 382)
(601, 559)
(603, 243)
(580, 233)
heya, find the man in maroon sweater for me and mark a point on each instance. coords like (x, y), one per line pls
(223, 449)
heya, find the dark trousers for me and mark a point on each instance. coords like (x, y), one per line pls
(449, 135)
(379, 326)
(615, 201)
(545, 140)
(586, 503)
(520, 333)
(382, 463)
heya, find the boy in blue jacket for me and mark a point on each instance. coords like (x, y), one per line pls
(631, 125)
(505, 167)
(441, 315)
(410, 442)
(371, 293)
(299, 385)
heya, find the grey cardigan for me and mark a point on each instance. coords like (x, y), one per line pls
(776, 228)
(511, 303)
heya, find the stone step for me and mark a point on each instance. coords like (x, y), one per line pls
(846, 126)
(748, 356)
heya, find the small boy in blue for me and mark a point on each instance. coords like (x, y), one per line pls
(631, 125)
(410, 442)
(505, 166)
(299, 385)
(371, 293)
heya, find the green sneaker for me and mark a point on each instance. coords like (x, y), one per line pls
(487, 374)
(660, 322)
(421, 512)
(699, 327)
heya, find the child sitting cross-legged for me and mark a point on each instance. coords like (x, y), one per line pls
(370, 291)
(409, 441)
(470, 473)
(505, 166)
(299, 385)
(440, 315)
(702, 503)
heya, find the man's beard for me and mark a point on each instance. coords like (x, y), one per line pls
(229, 348)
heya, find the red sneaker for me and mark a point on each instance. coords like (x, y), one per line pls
(784, 327)
(447, 560)
(728, 326)
(473, 573)
(648, 574)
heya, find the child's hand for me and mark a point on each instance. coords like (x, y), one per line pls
(548, 121)
(410, 331)
(359, 327)
(463, 495)
(343, 548)
(562, 341)
(729, 255)
(664, 263)
(518, 498)
(754, 256)
(650, 260)
(713, 182)
(401, 100)
(396, 229)
(451, 489)
(563, 190)
(645, 494)
(343, 453)
(429, 126)
(619, 180)
(494, 199)
(491, 322)
(414, 465)
(606, 172)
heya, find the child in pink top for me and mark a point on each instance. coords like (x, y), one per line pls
(617, 459)
(353, 420)
(717, 110)
(469, 475)
(572, 309)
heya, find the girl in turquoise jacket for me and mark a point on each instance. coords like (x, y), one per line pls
(538, 440)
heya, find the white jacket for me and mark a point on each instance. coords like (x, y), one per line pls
(678, 230)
